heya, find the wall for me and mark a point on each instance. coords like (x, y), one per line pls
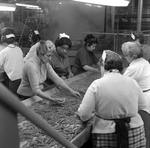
(73, 18)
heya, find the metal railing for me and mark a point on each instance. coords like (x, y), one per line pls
(113, 41)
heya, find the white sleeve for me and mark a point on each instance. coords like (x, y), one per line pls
(31, 53)
(133, 72)
(2, 59)
(88, 103)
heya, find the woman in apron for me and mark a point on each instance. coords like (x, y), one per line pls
(113, 101)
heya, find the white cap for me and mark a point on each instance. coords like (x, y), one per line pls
(10, 36)
(133, 36)
(61, 35)
(36, 32)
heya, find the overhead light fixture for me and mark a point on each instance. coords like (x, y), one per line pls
(92, 5)
(26, 5)
(7, 7)
(35, 8)
(116, 3)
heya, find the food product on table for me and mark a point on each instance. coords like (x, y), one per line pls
(61, 117)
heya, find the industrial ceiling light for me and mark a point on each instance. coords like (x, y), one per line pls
(116, 3)
(26, 5)
(7, 7)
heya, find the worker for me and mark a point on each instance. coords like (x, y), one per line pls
(2, 72)
(85, 57)
(59, 60)
(139, 38)
(34, 38)
(11, 60)
(139, 69)
(35, 72)
(113, 102)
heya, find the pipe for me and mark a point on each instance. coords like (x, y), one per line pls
(12, 102)
(8, 127)
(139, 19)
(113, 18)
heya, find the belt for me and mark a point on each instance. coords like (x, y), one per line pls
(146, 90)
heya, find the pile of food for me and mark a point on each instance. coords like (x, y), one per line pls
(61, 117)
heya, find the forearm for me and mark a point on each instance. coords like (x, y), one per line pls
(42, 95)
(89, 68)
(63, 85)
(70, 74)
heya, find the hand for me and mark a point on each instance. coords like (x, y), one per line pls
(70, 75)
(76, 94)
(59, 100)
(63, 77)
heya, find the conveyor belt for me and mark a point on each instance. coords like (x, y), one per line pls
(60, 117)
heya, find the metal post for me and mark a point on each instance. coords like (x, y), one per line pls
(113, 18)
(8, 127)
(117, 40)
(139, 15)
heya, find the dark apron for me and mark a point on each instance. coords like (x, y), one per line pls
(12, 85)
(121, 131)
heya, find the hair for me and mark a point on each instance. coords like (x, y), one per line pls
(41, 48)
(63, 41)
(132, 49)
(112, 61)
(90, 40)
(6, 31)
(35, 37)
(50, 45)
(140, 36)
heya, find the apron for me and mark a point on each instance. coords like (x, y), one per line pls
(122, 131)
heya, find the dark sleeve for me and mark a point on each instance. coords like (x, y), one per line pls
(82, 57)
(95, 59)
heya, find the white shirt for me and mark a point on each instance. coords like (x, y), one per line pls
(139, 69)
(1, 48)
(31, 53)
(112, 96)
(11, 59)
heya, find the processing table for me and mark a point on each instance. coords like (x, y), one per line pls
(61, 117)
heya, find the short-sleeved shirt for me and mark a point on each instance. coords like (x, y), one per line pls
(35, 73)
(84, 57)
(59, 64)
(139, 69)
(2, 75)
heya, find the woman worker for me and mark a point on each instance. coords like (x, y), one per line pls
(139, 38)
(85, 57)
(35, 72)
(34, 38)
(139, 69)
(11, 60)
(59, 60)
(114, 99)
(2, 73)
